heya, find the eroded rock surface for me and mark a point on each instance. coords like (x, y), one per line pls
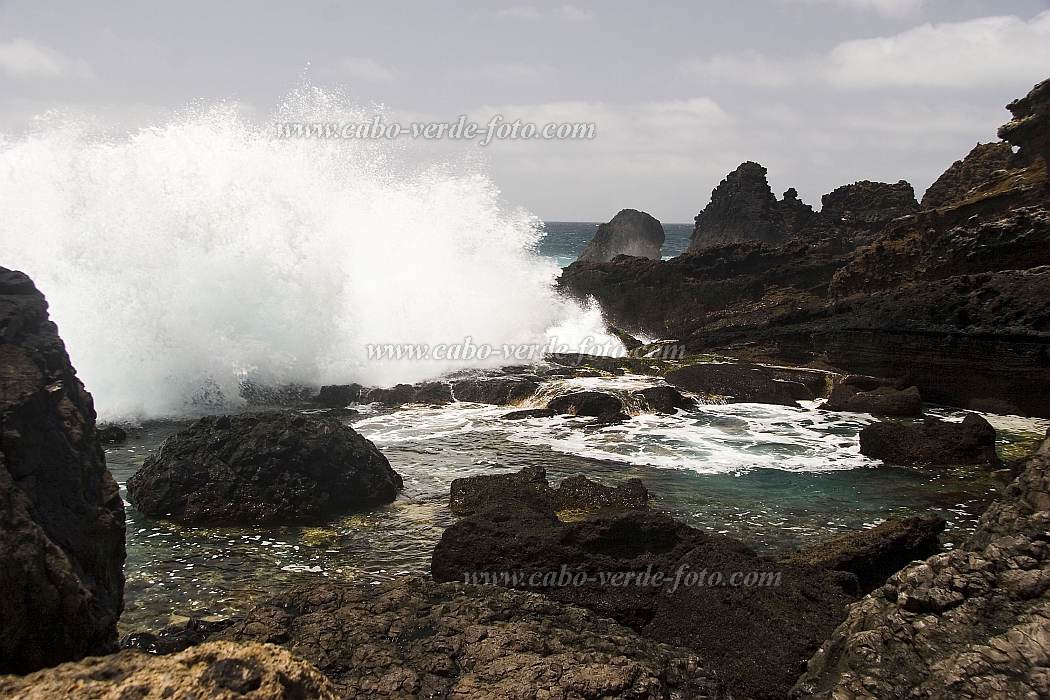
(932, 443)
(860, 394)
(217, 670)
(870, 203)
(742, 208)
(959, 180)
(630, 232)
(61, 516)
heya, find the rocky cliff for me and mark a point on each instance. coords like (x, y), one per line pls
(1029, 129)
(61, 517)
(869, 204)
(742, 208)
(977, 168)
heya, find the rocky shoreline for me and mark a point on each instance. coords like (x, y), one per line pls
(878, 304)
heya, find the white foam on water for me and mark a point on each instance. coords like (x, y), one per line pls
(182, 259)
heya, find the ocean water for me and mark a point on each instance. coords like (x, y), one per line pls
(563, 241)
(776, 477)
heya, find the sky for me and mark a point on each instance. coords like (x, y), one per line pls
(821, 92)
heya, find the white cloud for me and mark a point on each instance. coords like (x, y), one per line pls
(367, 70)
(24, 59)
(984, 52)
(889, 8)
(568, 13)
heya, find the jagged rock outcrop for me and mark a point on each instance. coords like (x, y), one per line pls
(742, 209)
(433, 393)
(61, 516)
(798, 217)
(734, 383)
(752, 635)
(868, 203)
(970, 624)
(976, 169)
(630, 232)
(338, 395)
(498, 391)
(876, 554)
(417, 638)
(1029, 129)
(860, 394)
(932, 443)
(217, 670)
(595, 404)
(262, 468)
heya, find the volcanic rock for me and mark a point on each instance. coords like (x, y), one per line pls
(261, 468)
(860, 394)
(663, 399)
(870, 203)
(932, 443)
(217, 670)
(876, 554)
(498, 391)
(737, 384)
(630, 232)
(596, 404)
(61, 516)
(432, 393)
(978, 167)
(338, 395)
(1029, 129)
(742, 209)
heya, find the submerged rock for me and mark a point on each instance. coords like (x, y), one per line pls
(260, 468)
(218, 670)
(972, 623)
(61, 516)
(860, 394)
(876, 554)
(631, 232)
(738, 384)
(416, 638)
(674, 584)
(932, 443)
(527, 413)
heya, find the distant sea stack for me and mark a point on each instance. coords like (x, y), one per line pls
(742, 208)
(631, 232)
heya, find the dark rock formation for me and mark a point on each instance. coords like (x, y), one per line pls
(218, 670)
(663, 399)
(499, 391)
(932, 443)
(527, 413)
(869, 203)
(860, 394)
(742, 208)
(595, 404)
(876, 554)
(529, 489)
(61, 517)
(260, 468)
(433, 393)
(1029, 129)
(972, 623)
(754, 636)
(978, 167)
(111, 434)
(630, 232)
(737, 384)
(338, 395)
(798, 217)
(420, 639)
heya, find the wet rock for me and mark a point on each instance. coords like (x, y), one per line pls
(61, 516)
(338, 395)
(1029, 129)
(978, 167)
(664, 399)
(870, 203)
(630, 232)
(498, 391)
(432, 393)
(737, 383)
(527, 413)
(932, 443)
(176, 637)
(262, 468)
(876, 554)
(742, 208)
(417, 638)
(595, 404)
(972, 623)
(111, 434)
(860, 394)
(630, 343)
(755, 637)
(528, 489)
(220, 670)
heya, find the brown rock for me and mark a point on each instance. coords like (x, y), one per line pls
(859, 394)
(931, 444)
(977, 168)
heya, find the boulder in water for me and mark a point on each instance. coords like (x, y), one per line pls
(262, 468)
(737, 383)
(664, 399)
(498, 391)
(631, 232)
(432, 393)
(338, 395)
(932, 443)
(61, 516)
(597, 404)
(860, 394)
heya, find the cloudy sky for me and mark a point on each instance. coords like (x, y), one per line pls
(822, 92)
